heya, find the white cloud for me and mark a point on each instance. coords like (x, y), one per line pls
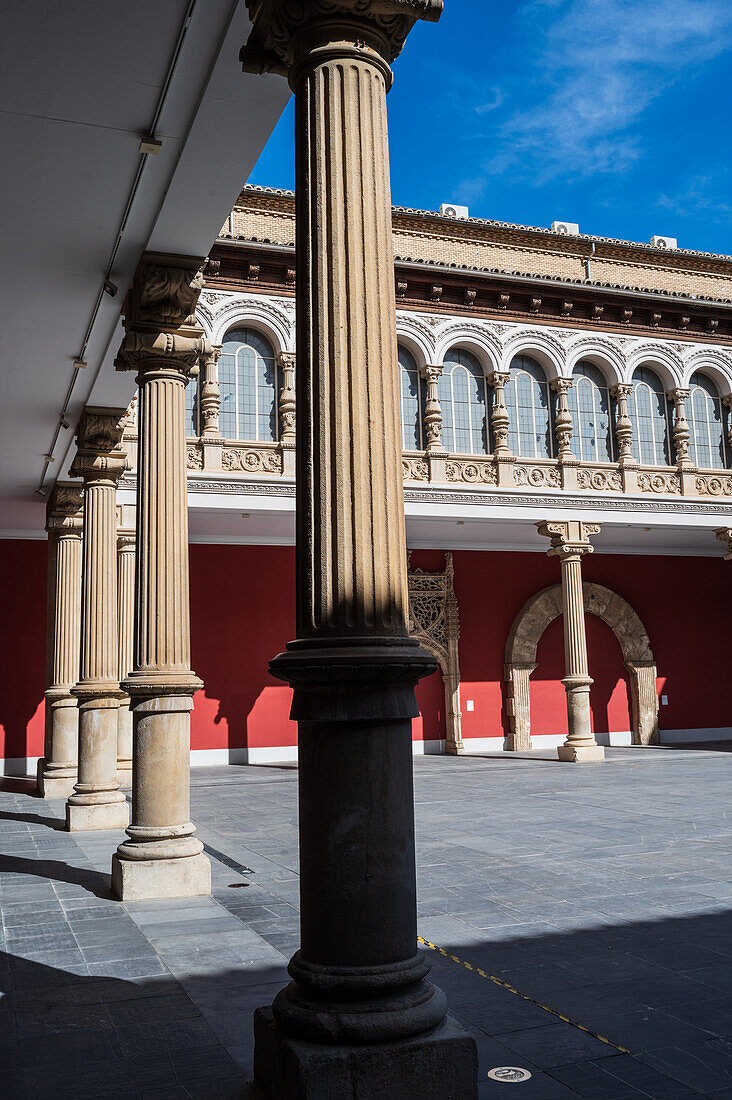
(593, 69)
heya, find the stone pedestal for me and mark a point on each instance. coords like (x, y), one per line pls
(97, 802)
(57, 769)
(359, 1019)
(569, 542)
(162, 857)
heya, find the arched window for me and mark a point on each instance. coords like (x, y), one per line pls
(530, 410)
(707, 418)
(649, 411)
(463, 397)
(412, 393)
(589, 404)
(250, 387)
(193, 417)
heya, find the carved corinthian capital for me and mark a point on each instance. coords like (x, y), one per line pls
(159, 315)
(100, 456)
(570, 539)
(278, 24)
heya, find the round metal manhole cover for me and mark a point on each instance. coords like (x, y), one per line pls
(509, 1074)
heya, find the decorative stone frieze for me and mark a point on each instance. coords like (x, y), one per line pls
(415, 469)
(563, 426)
(599, 481)
(472, 471)
(537, 477)
(713, 485)
(64, 524)
(570, 541)
(359, 1007)
(97, 802)
(435, 623)
(194, 456)
(657, 482)
(264, 459)
(164, 345)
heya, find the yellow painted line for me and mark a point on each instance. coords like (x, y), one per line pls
(523, 996)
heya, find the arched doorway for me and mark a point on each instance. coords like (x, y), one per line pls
(433, 621)
(520, 659)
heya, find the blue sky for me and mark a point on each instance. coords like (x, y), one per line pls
(610, 113)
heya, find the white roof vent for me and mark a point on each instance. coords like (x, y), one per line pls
(566, 229)
(664, 242)
(448, 210)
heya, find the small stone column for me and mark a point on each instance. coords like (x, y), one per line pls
(624, 437)
(210, 394)
(163, 343)
(570, 541)
(500, 421)
(359, 1018)
(288, 412)
(64, 522)
(97, 802)
(125, 634)
(727, 402)
(435, 449)
(563, 425)
(681, 431)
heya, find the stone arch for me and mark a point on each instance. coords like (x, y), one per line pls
(434, 622)
(529, 625)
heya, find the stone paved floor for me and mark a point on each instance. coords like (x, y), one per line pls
(601, 891)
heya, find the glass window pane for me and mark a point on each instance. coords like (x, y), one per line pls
(250, 387)
(589, 404)
(530, 410)
(411, 403)
(462, 392)
(649, 412)
(705, 413)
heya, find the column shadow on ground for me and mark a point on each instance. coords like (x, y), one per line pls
(33, 819)
(57, 871)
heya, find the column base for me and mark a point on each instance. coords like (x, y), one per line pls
(55, 786)
(142, 879)
(124, 774)
(439, 1065)
(580, 754)
(105, 815)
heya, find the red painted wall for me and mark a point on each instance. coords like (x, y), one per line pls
(242, 614)
(22, 647)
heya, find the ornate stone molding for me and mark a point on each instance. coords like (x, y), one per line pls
(472, 471)
(415, 469)
(714, 485)
(538, 477)
(651, 482)
(598, 480)
(254, 460)
(276, 27)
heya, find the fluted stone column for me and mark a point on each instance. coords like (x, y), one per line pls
(64, 522)
(570, 541)
(360, 1018)
(125, 648)
(162, 857)
(97, 801)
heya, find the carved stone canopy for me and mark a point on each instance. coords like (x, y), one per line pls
(275, 23)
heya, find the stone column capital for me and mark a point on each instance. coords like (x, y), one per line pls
(499, 378)
(431, 372)
(621, 389)
(161, 330)
(125, 544)
(562, 385)
(678, 394)
(724, 534)
(570, 539)
(65, 510)
(100, 457)
(283, 34)
(287, 360)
